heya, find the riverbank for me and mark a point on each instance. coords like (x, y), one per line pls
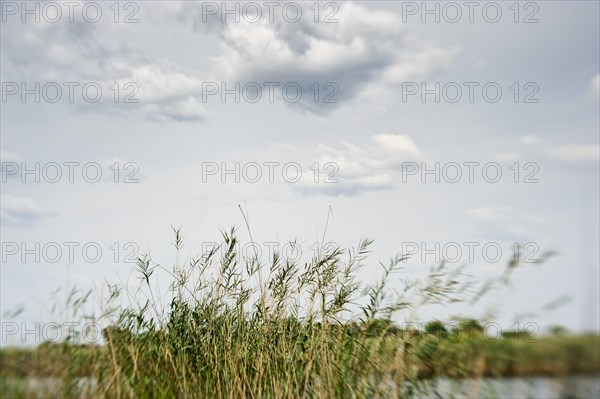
(429, 357)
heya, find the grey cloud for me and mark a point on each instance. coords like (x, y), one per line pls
(365, 47)
(102, 53)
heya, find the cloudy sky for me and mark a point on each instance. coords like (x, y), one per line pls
(120, 122)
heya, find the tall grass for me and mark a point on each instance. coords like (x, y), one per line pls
(232, 327)
(240, 328)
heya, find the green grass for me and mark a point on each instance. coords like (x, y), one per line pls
(224, 328)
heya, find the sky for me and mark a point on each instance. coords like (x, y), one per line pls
(440, 130)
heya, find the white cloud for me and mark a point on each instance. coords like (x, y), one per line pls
(490, 214)
(499, 214)
(158, 83)
(374, 166)
(575, 153)
(6, 156)
(21, 210)
(529, 140)
(503, 222)
(397, 144)
(188, 109)
(422, 61)
(526, 141)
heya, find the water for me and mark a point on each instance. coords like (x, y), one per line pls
(574, 387)
(584, 387)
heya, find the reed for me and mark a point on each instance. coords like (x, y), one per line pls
(227, 327)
